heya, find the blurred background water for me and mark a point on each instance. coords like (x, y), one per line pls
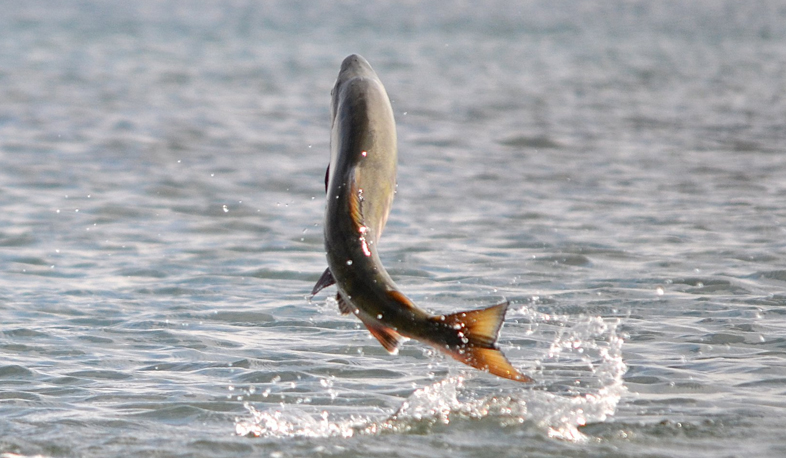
(615, 169)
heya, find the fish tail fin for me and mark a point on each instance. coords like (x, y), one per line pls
(477, 336)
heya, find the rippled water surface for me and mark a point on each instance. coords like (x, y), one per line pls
(617, 171)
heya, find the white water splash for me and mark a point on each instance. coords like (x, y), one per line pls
(14, 455)
(292, 422)
(580, 378)
(585, 367)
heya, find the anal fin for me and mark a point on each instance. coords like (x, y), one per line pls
(388, 337)
(324, 281)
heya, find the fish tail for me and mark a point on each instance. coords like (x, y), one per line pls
(477, 332)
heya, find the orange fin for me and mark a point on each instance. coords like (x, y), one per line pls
(401, 299)
(388, 337)
(478, 331)
(482, 326)
(324, 281)
(343, 307)
(490, 360)
(356, 200)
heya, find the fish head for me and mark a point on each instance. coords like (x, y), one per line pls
(353, 66)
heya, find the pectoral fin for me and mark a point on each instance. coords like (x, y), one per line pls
(324, 281)
(356, 200)
(343, 307)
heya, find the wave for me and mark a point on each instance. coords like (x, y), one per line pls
(580, 382)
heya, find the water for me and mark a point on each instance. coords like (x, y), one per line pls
(616, 170)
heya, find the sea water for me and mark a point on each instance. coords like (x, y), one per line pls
(614, 169)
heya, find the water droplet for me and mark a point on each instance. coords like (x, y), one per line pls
(659, 291)
(349, 262)
(226, 210)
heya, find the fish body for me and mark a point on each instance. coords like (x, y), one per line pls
(360, 184)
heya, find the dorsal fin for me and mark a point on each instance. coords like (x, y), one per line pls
(400, 298)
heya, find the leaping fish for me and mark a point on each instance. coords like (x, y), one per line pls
(360, 183)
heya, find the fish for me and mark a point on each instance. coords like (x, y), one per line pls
(360, 183)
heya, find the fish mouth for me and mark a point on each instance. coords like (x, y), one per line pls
(353, 66)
